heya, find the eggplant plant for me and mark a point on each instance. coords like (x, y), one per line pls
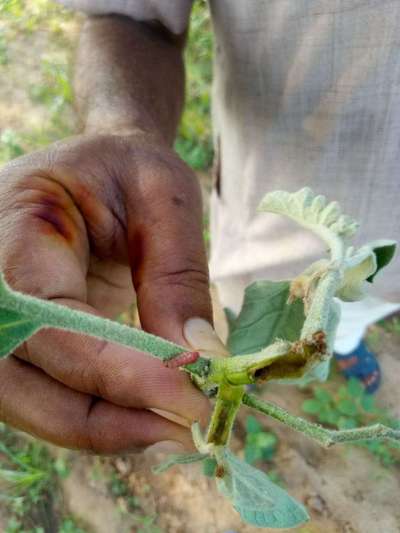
(283, 333)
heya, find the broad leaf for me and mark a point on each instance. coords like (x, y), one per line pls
(259, 501)
(264, 317)
(15, 328)
(231, 319)
(178, 459)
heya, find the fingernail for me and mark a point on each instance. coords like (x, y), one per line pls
(202, 337)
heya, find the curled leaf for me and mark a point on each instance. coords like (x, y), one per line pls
(310, 210)
(362, 265)
(384, 251)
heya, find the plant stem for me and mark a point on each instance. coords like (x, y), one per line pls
(50, 314)
(228, 402)
(326, 437)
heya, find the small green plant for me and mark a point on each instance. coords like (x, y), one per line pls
(259, 444)
(28, 480)
(351, 407)
(283, 333)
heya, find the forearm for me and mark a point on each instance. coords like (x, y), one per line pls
(129, 77)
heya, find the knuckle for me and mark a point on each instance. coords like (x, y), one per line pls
(190, 278)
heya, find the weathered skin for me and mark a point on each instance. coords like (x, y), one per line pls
(88, 219)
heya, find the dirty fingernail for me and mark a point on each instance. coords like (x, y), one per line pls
(201, 336)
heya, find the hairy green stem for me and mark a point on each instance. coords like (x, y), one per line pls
(228, 402)
(326, 437)
(319, 315)
(50, 314)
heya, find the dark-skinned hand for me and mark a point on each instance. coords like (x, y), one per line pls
(84, 223)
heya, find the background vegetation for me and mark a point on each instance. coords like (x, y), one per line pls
(50, 92)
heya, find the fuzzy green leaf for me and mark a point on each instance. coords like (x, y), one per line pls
(310, 210)
(259, 501)
(178, 459)
(264, 317)
(15, 328)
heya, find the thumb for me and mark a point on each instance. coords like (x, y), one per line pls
(201, 336)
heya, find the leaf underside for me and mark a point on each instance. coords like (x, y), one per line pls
(264, 317)
(384, 254)
(257, 499)
(15, 328)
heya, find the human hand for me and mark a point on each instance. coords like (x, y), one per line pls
(81, 223)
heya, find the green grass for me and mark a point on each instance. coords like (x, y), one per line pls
(350, 407)
(29, 483)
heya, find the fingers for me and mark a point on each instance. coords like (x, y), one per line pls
(166, 248)
(116, 373)
(34, 402)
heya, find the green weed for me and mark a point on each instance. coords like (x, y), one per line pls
(260, 445)
(350, 407)
(29, 482)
